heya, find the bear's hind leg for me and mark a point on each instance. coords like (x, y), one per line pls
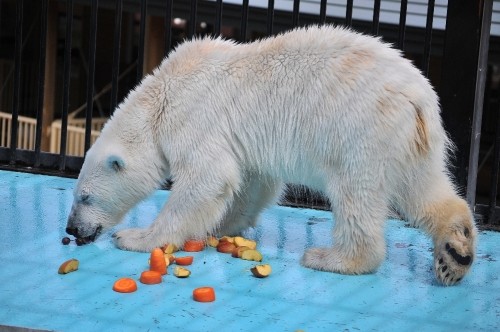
(256, 193)
(450, 224)
(358, 234)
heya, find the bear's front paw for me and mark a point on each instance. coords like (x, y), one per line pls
(135, 239)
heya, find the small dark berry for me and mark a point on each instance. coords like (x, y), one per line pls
(80, 241)
(66, 240)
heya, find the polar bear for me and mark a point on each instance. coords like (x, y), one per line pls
(325, 107)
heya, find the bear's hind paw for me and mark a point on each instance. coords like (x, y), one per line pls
(450, 266)
(332, 260)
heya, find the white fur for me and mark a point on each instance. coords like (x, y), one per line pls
(324, 107)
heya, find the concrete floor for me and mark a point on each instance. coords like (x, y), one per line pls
(403, 295)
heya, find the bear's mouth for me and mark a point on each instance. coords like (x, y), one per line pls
(90, 238)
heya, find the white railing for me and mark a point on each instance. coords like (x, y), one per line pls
(27, 129)
(75, 136)
(25, 134)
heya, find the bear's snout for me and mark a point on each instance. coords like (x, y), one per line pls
(72, 231)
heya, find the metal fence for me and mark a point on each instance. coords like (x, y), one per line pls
(50, 51)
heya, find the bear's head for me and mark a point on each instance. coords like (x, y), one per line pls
(113, 178)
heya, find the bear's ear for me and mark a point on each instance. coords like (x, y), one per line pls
(116, 163)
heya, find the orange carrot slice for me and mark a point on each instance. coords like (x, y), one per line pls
(150, 277)
(157, 261)
(186, 260)
(204, 294)
(125, 285)
(194, 245)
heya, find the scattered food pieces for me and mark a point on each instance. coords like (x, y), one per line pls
(193, 245)
(69, 266)
(261, 271)
(169, 248)
(170, 258)
(150, 277)
(181, 272)
(80, 242)
(242, 242)
(238, 251)
(186, 260)
(251, 255)
(157, 261)
(226, 247)
(204, 294)
(125, 285)
(227, 239)
(212, 241)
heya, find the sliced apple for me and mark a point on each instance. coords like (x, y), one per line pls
(261, 271)
(181, 272)
(169, 258)
(226, 247)
(69, 266)
(212, 241)
(251, 255)
(227, 239)
(238, 251)
(242, 242)
(169, 248)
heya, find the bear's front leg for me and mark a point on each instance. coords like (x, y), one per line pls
(194, 209)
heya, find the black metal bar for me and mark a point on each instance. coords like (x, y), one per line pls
(168, 26)
(66, 85)
(18, 53)
(348, 13)
(91, 73)
(495, 169)
(376, 17)
(192, 19)
(428, 38)
(142, 36)
(41, 80)
(486, 10)
(402, 24)
(270, 17)
(218, 17)
(322, 11)
(244, 20)
(295, 15)
(462, 84)
(115, 70)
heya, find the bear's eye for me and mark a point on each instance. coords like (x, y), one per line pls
(85, 198)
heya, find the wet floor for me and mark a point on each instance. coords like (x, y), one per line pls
(402, 295)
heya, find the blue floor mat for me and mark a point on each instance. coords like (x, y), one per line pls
(402, 295)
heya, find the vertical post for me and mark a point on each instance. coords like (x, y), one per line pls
(192, 19)
(244, 20)
(66, 85)
(168, 26)
(462, 85)
(91, 73)
(50, 74)
(115, 71)
(322, 11)
(41, 80)
(142, 34)
(17, 80)
(218, 17)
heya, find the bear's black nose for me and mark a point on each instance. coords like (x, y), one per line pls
(72, 231)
